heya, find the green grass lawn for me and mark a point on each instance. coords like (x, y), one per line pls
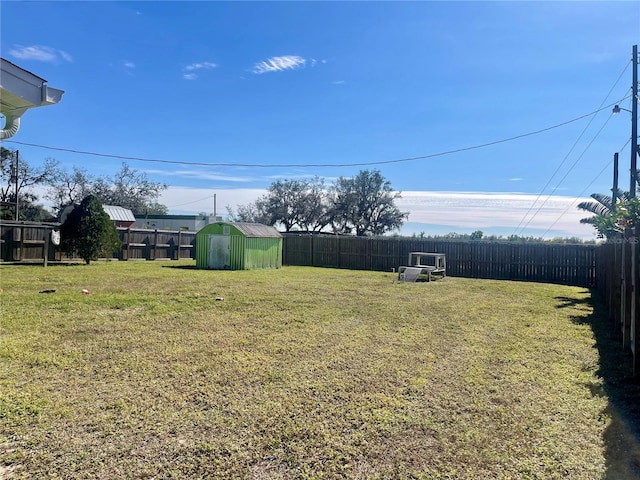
(299, 373)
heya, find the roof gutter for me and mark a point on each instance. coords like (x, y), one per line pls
(21, 90)
(11, 127)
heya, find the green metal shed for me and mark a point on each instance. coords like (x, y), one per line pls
(238, 246)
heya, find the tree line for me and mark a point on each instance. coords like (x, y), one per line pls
(361, 205)
(128, 188)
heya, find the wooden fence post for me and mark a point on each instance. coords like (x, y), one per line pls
(45, 253)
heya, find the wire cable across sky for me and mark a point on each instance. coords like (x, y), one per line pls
(316, 165)
(585, 189)
(624, 70)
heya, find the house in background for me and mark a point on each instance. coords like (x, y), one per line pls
(191, 223)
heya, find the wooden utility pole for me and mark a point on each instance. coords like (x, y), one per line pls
(634, 123)
(635, 323)
(17, 184)
(614, 190)
(614, 195)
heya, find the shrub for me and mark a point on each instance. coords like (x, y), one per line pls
(88, 232)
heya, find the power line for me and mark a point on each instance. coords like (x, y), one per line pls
(315, 165)
(189, 203)
(585, 189)
(624, 70)
(569, 171)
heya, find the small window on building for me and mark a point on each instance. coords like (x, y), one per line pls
(226, 230)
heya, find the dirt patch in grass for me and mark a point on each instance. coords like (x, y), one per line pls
(302, 373)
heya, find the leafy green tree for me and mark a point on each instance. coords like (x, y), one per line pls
(315, 207)
(300, 204)
(254, 212)
(88, 232)
(477, 235)
(627, 215)
(292, 204)
(365, 204)
(603, 210)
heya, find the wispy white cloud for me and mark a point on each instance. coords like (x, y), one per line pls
(186, 200)
(338, 82)
(65, 56)
(492, 210)
(279, 64)
(190, 70)
(201, 175)
(200, 66)
(130, 65)
(40, 53)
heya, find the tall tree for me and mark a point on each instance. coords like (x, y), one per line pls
(18, 176)
(128, 188)
(69, 187)
(297, 204)
(283, 202)
(254, 212)
(88, 232)
(365, 204)
(292, 204)
(315, 206)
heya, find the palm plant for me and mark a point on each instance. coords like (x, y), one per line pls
(604, 219)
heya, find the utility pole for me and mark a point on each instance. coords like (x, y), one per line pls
(635, 324)
(17, 184)
(614, 199)
(634, 123)
(614, 190)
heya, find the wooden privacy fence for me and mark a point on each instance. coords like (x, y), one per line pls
(554, 263)
(566, 264)
(29, 242)
(141, 244)
(617, 281)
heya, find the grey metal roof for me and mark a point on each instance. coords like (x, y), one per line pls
(119, 214)
(256, 229)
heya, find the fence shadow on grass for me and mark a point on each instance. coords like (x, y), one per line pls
(622, 436)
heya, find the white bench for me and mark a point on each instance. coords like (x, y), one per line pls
(421, 263)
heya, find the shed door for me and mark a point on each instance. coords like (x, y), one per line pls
(219, 252)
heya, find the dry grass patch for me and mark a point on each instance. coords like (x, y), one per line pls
(299, 373)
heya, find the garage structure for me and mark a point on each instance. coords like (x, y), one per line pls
(238, 246)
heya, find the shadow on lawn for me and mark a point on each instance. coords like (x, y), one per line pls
(622, 436)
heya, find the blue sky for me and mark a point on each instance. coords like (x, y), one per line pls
(254, 85)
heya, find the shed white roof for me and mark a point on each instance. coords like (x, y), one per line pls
(119, 214)
(256, 229)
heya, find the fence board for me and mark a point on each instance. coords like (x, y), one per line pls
(29, 242)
